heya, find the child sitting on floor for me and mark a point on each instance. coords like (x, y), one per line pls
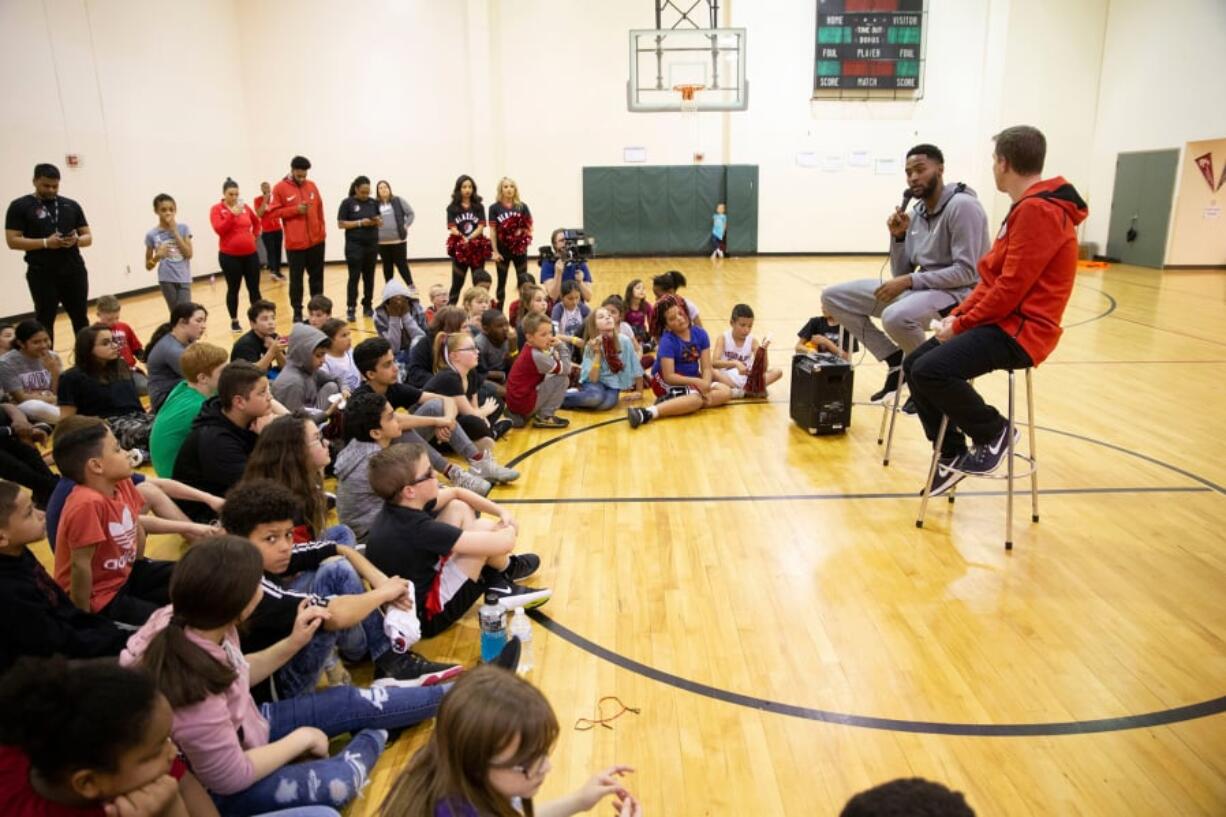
(432, 537)
(610, 366)
(319, 311)
(736, 359)
(495, 350)
(475, 301)
(568, 317)
(538, 381)
(682, 378)
(338, 362)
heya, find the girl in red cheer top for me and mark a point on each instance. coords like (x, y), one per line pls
(237, 227)
(512, 222)
(467, 245)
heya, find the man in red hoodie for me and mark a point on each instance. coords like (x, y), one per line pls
(295, 201)
(1011, 320)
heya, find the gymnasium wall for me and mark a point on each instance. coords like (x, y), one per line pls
(174, 97)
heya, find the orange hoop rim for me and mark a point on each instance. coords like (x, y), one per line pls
(687, 91)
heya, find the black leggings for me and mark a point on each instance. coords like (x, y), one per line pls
(237, 269)
(361, 260)
(522, 275)
(458, 273)
(272, 246)
(396, 255)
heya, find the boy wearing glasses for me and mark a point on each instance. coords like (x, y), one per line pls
(433, 537)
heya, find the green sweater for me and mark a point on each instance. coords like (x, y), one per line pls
(174, 421)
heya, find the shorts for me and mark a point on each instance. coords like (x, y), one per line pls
(738, 379)
(664, 391)
(456, 593)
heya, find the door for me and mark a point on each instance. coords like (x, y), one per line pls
(1141, 207)
(742, 186)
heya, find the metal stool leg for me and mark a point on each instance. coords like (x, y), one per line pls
(1009, 481)
(932, 470)
(1034, 459)
(893, 412)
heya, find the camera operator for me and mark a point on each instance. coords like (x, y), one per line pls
(574, 268)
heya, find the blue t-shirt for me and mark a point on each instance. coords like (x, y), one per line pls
(719, 225)
(55, 504)
(174, 268)
(686, 354)
(569, 273)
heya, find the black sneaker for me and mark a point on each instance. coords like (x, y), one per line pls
(552, 421)
(510, 594)
(637, 416)
(234, 327)
(351, 315)
(509, 657)
(948, 474)
(909, 407)
(411, 669)
(892, 380)
(522, 565)
(367, 312)
(500, 427)
(278, 277)
(987, 457)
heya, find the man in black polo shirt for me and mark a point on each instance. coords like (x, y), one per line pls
(51, 230)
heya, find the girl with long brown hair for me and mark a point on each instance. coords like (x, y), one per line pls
(489, 755)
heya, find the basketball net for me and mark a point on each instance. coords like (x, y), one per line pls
(689, 115)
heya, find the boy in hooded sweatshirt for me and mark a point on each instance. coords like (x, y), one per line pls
(400, 318)
(304, 385)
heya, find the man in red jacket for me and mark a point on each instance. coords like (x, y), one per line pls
(1011, 320)
(295, 201)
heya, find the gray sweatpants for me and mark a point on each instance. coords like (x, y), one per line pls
(459, 442)
(550, 393)
(905, 319)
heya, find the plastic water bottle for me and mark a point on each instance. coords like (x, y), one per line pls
(521, 626)
(493, 628)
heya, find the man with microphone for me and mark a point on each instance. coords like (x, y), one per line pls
(933, 258)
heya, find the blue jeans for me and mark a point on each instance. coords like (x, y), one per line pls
(300, 674)
(595, 396)
(340, 534)
(332, 781)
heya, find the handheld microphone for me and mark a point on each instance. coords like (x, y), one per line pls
(907, 195)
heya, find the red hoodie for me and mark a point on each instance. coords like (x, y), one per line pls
(1026, 279)
(302, 230)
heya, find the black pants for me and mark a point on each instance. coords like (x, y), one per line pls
(361, 260)
(458, 273)
(521, 274)
(396, 255)
(21, 463)
(237, 269)
(66, 283)
(938, 373)
(312, 260)
(272, 246)
(147, 589)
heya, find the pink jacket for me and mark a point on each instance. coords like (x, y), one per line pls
(208, 731)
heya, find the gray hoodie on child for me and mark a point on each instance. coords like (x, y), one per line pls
(357, 504)
(300, 385)
(942, 250)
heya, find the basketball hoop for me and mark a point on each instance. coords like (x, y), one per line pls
(688, 103)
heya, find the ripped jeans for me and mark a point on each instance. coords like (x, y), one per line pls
(336, 780)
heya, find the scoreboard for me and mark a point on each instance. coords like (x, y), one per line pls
(865, 45)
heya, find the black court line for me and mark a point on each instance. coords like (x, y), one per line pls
(1150, 719)
(1111, 307)
(1147, 720)
(648, 500)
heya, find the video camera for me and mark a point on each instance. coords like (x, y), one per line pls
(577, 246)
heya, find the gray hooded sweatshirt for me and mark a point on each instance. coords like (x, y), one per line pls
(942, 250)
(356, 504)
(300, 385)
(403, 331)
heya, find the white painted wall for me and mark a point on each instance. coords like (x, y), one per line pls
(176, 96)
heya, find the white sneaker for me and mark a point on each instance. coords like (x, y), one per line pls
(737, 393)
(489, 469)
(471, 481)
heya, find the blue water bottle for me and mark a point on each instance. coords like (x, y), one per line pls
(493, 627)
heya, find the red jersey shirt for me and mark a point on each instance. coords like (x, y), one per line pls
(129, 343)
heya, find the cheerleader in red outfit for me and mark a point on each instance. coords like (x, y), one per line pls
(467, 245)
(512, 221)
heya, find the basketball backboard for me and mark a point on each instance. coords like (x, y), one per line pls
(663, 59)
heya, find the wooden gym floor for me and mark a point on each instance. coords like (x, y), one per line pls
(789, 637)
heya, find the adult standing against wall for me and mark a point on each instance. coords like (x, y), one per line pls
(466, 243)
(237, 227)
(512, 222)
(359, 217)
(51, 230)
(296, 202)
(397, 217)
(270, 231)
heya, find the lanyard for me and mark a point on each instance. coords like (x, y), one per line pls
(55, 213)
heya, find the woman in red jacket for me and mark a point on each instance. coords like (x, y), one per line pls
(237, 227)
